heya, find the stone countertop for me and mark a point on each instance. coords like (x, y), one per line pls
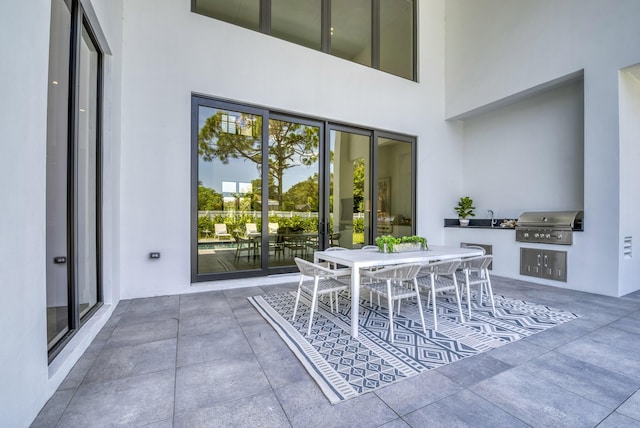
(476, 223)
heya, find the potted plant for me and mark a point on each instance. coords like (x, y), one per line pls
(392, 244)
(465, 209)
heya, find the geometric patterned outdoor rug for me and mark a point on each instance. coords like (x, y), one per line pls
(345, 367)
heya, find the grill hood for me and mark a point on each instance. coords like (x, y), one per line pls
(571, 220)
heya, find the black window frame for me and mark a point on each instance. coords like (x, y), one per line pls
(326, 126)
(325, 33)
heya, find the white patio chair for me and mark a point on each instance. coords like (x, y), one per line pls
(475, 271)
(220, 232)
(439, 277)
(251, 229)
(395, 283)
(325, 281)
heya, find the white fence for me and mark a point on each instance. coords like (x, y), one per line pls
(284, 214)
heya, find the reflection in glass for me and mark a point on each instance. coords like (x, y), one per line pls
(396, 37)
(350, 189)
(229, 189)
(395, 189)
(293, 171)
(86, 170)
(58, 322)
(297, 21)
(351, 30)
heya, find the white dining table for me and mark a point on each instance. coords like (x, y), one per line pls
(357, 259)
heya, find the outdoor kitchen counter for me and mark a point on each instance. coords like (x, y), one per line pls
(480, 223)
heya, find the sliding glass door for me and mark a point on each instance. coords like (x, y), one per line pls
(269, 187)
(350, 188)
(73, 174)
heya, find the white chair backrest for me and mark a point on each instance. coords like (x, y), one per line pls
(307, 268)
(251, 228)
(220, 227)
(369, 247)
(336, 249)
(403, 272)
(444, 267)
(477, 263)
(273, 227)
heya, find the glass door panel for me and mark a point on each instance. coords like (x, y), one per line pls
(349, 189)
(395, 191)
(229, 190)
(86, 173)
(293, 189)
(58, 320)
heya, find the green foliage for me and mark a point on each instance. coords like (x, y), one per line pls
(358, 225)
(209, 199)
(465, 207)
(302, 196)
(358, 185)
(392, 241)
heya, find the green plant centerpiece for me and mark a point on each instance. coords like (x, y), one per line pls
(392, 244)
(465, 209)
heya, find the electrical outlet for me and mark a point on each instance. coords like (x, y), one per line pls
(154, 255)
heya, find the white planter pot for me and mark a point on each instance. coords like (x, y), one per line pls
(464, 221)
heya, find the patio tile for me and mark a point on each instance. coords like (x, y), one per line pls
(263, 338)
(595, 383)
(53, 410)
(281, 368)
(306, 406)
(538, 402)
(133, 360)
(470, 371)
(618, 420)
(134, 401)
(79, 371)
(257, 411)
(631, 407)
(212, 382)
(463, 409)
(629, 324)
(205, 323)
(418, 391)
(597, 350)
(517, 352)
(396, 423)
(248, 317)
(209, 303)
(558, 335)
(212, 346)
(151, 309)
(135, 334)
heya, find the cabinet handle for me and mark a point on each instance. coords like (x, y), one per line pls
(546, 261)
(538, 259)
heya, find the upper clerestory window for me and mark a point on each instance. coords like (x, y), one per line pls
(376, 33)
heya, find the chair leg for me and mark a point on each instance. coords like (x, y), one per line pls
(313, 304)
(466, 277)
(455, 283)
(295, 308)
(433, 301)
(493, 305)
(424, 328)
(390, 306)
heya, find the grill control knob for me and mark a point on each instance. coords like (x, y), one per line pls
(559, 235)
(536, 235)
(548, 235)
(526, 235)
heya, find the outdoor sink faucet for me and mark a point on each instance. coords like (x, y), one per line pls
(493, 221)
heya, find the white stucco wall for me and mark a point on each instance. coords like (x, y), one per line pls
(27, 378)
(629, 176)
(496, 49)
(170, 52)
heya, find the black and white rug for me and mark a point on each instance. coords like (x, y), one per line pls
(345, 367)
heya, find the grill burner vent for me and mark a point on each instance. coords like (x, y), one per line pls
(549, 227)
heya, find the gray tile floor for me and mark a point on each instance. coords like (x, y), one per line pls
(209, 359)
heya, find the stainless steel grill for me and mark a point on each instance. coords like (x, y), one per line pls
(549, 227)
